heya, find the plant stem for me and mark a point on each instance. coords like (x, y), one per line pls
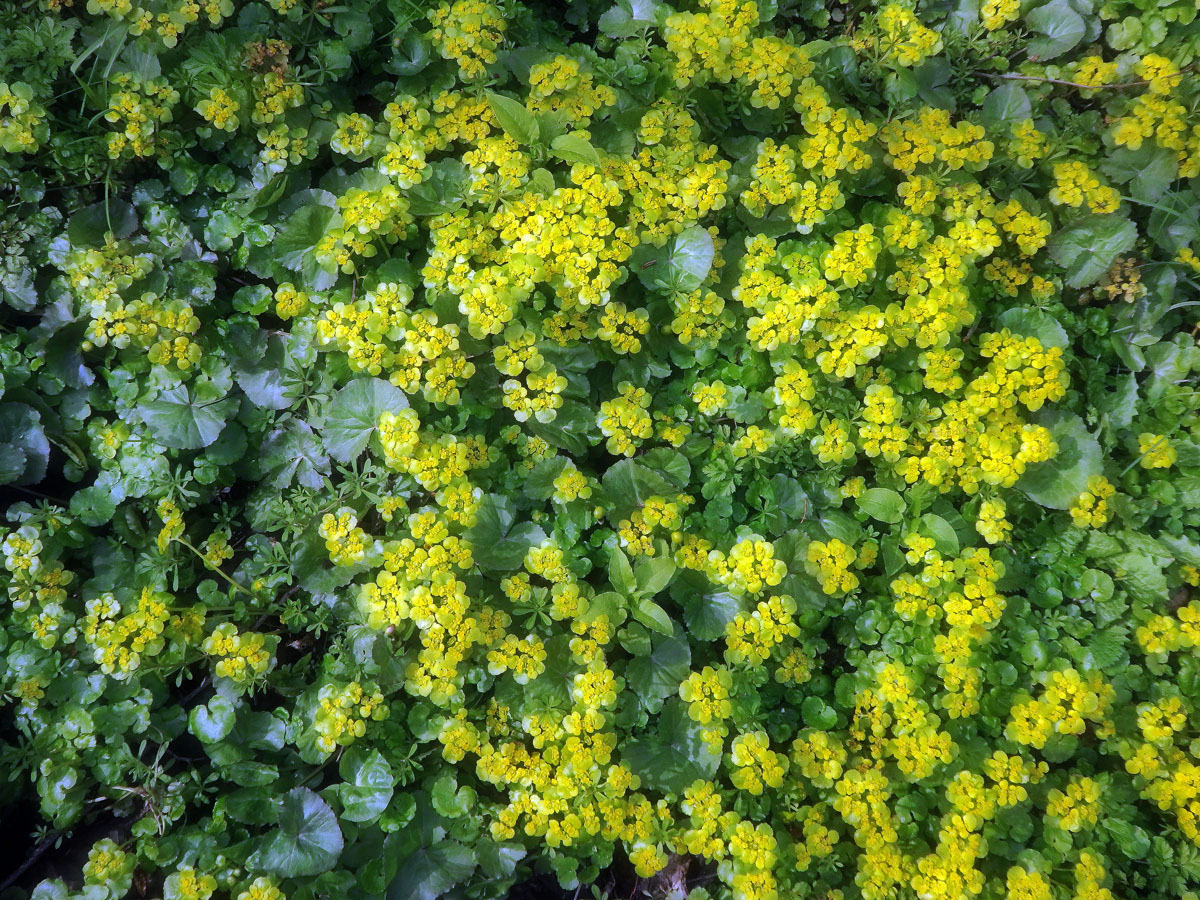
(202, 557)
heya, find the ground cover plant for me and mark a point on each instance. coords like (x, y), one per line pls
(747, 447)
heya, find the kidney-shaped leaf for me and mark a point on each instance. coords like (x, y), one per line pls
(681, 266)
(1056, 482)
(431, 871)
(1087, 248)
(182, 422)
(354, 415)
(308, 840)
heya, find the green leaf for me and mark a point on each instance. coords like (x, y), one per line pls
(213, 722)
(1088, 247)
(620, 573)
(707, 610)
(307, 842)
(1142, 576)
(1148, 171)
(498, 543)
(96, 505)
(574, 429)
(790, 498)
(449, 800)
(429, 872)
(653, 575)
(574, 149)
(1131, 840)
(681, 266)
(673, 755)
(1005, 105)
(653, 616)
(87, 227)
(181, 421)
(670, 464)
(1060, 27)
(883, 504)
(354, 415)
(629, 17)
(1119, 403)
(297, 239)
(293, 454)
(445, 188)
(370, 785)
(22, 433)
(540, 483)
(658, 675)
(818, 714)
(498, 860)
(628, 484)
(945, 538)
(1056, 482)
(12, 464)
(411, 55)
(517, 121)
(1174, 222)
(1029, 322)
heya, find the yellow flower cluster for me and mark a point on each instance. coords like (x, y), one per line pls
(137, 108)
(903, 38)
(346, 542)
(168, 21)
(1090, 509)
(343, 712)
(468, 32)
(997, 13)
(240, 656)
(707, 694)
(624, 420)
(562, 86)
(1164, 634)
(991, 522)
(750, 566)
(261, 888)
(1076, 184)
(755, 765)
(22, 119)
(1156, 451)
(1069, 702)
(120, 642)
(107, 862)
(220, 109)
(751, 638)
(829, 562)
(188, 884)
(718, 45)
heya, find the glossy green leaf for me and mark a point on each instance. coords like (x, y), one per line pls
(306, 842)
(883, 504)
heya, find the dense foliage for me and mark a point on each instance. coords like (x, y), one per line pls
(751, 444)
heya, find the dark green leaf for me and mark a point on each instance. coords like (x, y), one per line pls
(429, 872)
(673, 755)
(307, 842)
(182, 422)
(21, 431)
(1060, 28)
(1006, 105)
(1088, 247)
(498, 542)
